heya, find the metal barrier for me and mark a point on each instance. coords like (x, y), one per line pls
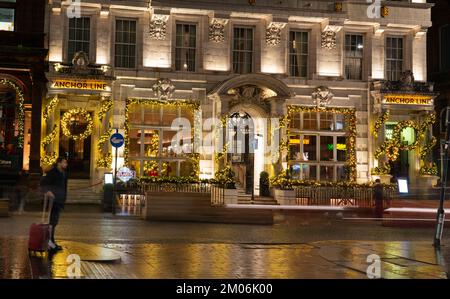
(217, 196)
(362, 197)
(173, 187)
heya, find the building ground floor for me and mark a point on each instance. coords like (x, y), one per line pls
(338, 132)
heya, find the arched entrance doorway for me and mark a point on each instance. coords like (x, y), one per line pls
(241, 135)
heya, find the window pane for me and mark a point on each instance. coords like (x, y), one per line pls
(170, 114)
(309, 148)
(294, 148)
(186, 168)
(298, 53)
(169, 168)
(185, 47)
(326, 173)
(326, 148)
(151, 144)
(340, 122)
(152, 114)
(326, 121)
(341, 173)
(135, 143)
(341, 148)
(309, 121)
(125, 48)
(309, 172)
(296, 171)
(242, 50)
(79, 36)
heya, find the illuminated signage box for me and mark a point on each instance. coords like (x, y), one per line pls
(80, 84)
(408, 100)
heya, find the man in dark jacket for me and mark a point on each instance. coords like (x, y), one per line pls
(54, 185)
(378, 194)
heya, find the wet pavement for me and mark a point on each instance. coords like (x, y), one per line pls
(118, 247)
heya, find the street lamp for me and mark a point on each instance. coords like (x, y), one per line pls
(441, 213)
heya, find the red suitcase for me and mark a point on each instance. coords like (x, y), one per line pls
(40, 232)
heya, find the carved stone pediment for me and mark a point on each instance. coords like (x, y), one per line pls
(251, 94)
(163, 89)
(322, 96)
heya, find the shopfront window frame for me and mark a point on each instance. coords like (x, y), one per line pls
(160, 159)
(318, 133)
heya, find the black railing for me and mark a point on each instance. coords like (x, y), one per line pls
(362, 197)
(174, 187)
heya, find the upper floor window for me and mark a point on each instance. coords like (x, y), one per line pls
(7, 14)
(242, 50)
(445, 48)
(125, 50)
(394, 58)
(79, 36)
(298, 53)
(353, 59)
(185, 47)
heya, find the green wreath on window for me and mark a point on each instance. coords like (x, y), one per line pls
(65, 121)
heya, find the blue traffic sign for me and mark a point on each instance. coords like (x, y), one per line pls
(117, 140)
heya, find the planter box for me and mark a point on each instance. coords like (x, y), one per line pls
(285, 197)
(385, 178)
(4, 207)
(230, 196)
(427, 180)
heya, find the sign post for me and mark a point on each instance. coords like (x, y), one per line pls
(117, 141)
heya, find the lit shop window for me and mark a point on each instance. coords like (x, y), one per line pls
(156, 148)
(7, 18)
(318, 146)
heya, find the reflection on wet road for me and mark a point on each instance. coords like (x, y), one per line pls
(324, 259)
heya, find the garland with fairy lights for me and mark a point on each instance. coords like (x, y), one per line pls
(50, 107)
(21, 109)
(380, 122)
(350, 117)
(65, 121)
(137, 101)
(391, 148)
(152, 152)
(48, 159)
(105, 159)
(50, 137)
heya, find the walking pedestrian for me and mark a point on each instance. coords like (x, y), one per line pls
(378, 193)
(54, 186)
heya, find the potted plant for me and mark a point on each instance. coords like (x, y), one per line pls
(284, 191)
(264, 184)
(225, 179)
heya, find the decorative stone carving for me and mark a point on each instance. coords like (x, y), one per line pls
(273, 33)
(322, 97)
(407, 80)
(163, 89)
(217, 30)
(329, 39)
(158, 27)
(251, 94)
(80, 60)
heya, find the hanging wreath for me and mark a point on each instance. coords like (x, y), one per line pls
(65, 123)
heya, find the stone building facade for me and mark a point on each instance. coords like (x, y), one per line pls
(332, 68)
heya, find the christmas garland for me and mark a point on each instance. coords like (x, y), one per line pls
(21, 109)
(379, 122)
(105, 159)
(66, 120)
(391, 148)
(48, 110)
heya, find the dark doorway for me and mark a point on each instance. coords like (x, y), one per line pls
(78, 152)
(242, 156)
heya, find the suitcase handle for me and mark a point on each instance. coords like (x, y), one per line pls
(47, 202)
